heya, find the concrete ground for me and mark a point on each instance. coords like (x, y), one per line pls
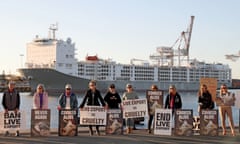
(137, 137)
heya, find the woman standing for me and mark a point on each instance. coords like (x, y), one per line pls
(205, 99)
(226, 108)
(40, 98)
(129, 95)
(92, 97)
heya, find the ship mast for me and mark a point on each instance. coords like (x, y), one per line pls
(53, 28)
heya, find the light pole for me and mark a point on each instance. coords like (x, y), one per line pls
(21, 60)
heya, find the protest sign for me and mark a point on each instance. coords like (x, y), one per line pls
(211, 84)
(163, 122)
(40, 122)
(93, 115)
(114, 122)
(12, 121)
(183, 122)
(68, 123)
(134, 108)
(155, 100)
(209, 122)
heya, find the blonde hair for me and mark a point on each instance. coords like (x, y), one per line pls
(42, 86)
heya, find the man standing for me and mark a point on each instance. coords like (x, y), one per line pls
(11, 101)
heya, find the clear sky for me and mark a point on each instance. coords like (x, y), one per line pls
(122, 29)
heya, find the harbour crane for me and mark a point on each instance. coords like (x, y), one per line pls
(179, 49)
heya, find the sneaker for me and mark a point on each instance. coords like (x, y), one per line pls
(17, 133)
(97, 132)
(90, 132)
(6, 133)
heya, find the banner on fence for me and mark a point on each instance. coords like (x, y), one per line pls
(163, 122)
(68, 123)
(155, 100)
(183, 122)
(12, 121)
(134, 108)
(40, 122)
(93, 115)
(114, 122)
(209, 122)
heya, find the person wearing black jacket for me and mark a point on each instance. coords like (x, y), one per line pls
(173, 100)
(11, 101)
(92, 97)
(112, 98)
(205, 99)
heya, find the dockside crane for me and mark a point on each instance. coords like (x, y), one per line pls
(180, 49)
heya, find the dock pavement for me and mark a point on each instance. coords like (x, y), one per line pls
(139, 136)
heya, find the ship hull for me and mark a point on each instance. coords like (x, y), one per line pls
(55, 81)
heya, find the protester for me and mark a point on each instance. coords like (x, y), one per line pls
(129, 95)
(173, 100)
(11, 101)
(228, 99)
(68, 100)
(151, 109)
(40, 98)
(112, 98)
(92, 97)
(204, 99)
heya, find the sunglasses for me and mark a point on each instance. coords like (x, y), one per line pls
(68, 89)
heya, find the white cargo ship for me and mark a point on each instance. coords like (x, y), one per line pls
(52, 62)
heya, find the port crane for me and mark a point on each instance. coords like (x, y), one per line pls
(166, 54)
(233, 57)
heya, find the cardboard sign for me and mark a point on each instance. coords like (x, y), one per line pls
(155, 100)
(114, 122)
(134, 108)
(12, 121)
(237, 101)
(68, 123)
(93, 115)
(163, 122)
(183, 122)
(209, 122)
(211, 84)
(40, 122)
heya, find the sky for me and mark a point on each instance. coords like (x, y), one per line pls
(122, 29)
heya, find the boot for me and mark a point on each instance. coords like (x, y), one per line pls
(90, 131)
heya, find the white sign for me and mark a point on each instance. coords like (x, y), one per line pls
(12, 121)
(163, 122)
(134, 108)
(93, 115)
(237, 101)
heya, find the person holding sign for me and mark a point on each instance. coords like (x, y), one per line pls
(68, 100)
(112, 98)
(40, 98)
(151, 109)
(173, 100)
(205, 99)
(225, 108)
(129, 95)
(92, 97)
(11, 101)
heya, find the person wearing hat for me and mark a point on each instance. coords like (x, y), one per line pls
(112, 98)
(173, 100)
(11, 101)
(40, 98)
(92, 97)
(68, 100)
(129, 95)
